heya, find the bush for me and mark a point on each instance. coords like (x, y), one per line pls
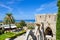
(18, 25)
(6, 35)
(30, 27)
(11, 35)
(1, 31)
(18, 34)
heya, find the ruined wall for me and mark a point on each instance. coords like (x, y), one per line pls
(49, 20)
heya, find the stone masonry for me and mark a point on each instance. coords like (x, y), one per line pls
(49, 21)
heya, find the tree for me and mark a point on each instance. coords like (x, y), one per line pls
(9, 19)
(22, 23)
(58, 22)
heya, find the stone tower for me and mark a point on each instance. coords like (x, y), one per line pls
(49, 21)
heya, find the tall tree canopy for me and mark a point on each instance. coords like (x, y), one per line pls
(58, 22)
(9, 19)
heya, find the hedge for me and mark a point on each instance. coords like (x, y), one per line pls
(11, 35)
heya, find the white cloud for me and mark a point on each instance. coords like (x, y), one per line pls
(51, 6)
(41, 8)
(7, 7)
(13, 1)
(8, 2)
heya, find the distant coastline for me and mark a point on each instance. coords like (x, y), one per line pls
(20, 20)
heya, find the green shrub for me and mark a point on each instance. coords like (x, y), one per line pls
(11, 35)
(18, 34)
(18, 25)
(6, 35)
(1, 31)
(30, 27)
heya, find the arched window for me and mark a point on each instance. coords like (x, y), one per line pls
(48, 31)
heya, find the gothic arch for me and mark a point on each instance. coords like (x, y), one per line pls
(48, 31)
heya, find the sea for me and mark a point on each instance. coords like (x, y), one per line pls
(24, 20)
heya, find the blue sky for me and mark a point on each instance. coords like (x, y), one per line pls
(27, 9)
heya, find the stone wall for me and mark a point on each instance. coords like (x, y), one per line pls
(49, 20)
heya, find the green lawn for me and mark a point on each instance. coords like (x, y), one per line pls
(10, 35)
(6, 35)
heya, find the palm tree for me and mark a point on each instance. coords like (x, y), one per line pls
(9, 19)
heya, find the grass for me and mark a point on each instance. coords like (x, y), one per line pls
(6, 35)
(11, 35)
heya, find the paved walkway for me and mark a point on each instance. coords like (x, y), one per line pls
(22, 37)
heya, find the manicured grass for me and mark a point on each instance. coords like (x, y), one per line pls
(11, 35)
(6, 35)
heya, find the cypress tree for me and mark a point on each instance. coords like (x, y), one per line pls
(58, 22)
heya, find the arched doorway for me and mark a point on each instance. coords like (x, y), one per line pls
(48, 31)
(48, 34)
